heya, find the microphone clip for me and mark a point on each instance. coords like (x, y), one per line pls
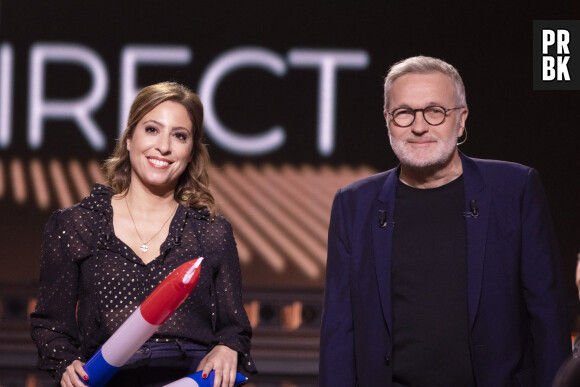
(382, 218)
(473, 210)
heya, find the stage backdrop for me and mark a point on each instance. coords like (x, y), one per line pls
(293, 104)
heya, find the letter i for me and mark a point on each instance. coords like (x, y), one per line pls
(6, 77)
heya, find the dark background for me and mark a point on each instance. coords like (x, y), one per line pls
(490, 43)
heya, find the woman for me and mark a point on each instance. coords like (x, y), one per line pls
(103, 256)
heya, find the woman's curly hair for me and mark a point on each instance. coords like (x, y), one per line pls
(192, 189)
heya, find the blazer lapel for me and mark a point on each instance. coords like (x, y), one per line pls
(477, 212)
(382, 236)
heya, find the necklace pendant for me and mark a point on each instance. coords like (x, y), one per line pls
(144, 248)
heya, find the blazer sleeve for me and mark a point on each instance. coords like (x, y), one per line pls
(542, 283)
(337, 360)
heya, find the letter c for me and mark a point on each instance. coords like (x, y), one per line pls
(226, 63)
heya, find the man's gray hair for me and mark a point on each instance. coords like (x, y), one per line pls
(423, 65)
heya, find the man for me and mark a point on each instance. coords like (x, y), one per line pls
(443, 271)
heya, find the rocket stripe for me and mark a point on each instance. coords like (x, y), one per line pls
(183, 382)
(142, 323)
(128, 338)
(99, 370)
(196, 380)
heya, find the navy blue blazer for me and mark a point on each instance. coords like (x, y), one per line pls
(518, 332)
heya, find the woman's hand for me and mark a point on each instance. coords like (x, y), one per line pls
(70, 378)
(224, 362)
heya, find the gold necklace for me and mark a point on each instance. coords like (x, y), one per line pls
(144, 248)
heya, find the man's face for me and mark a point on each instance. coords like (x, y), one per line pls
(422, 145)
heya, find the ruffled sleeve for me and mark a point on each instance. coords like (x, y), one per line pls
(66, 242)
(231, 322)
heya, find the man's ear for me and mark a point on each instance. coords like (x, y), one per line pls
(463, 116)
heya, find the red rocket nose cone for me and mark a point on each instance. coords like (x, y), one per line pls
(189, 274)
(171, 292)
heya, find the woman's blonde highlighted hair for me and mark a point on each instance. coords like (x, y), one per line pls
(192, 189)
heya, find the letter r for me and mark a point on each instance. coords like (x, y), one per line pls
(563, 40)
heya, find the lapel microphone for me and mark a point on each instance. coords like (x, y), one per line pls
(382, 218)
(473, 210)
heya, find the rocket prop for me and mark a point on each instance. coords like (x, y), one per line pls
(142, 323)
(195, 380)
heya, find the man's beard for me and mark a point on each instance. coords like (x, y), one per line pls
(423, 159)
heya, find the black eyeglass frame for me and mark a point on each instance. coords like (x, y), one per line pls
(392, 114)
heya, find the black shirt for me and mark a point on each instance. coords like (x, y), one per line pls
(429, 285)
(91, 282)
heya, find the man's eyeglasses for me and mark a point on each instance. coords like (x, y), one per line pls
(434, 115)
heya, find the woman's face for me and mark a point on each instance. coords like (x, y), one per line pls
(161, 146)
